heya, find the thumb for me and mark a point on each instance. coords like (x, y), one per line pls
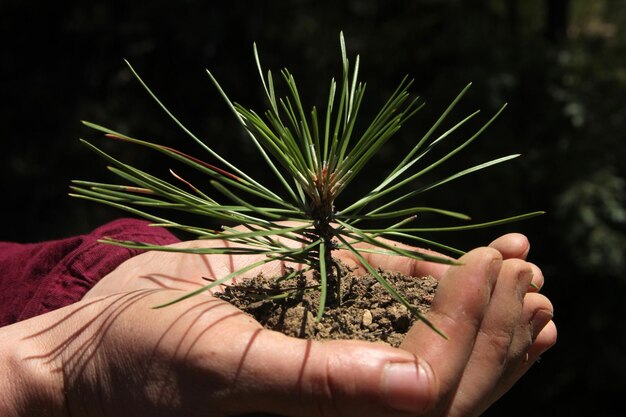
(301, 378)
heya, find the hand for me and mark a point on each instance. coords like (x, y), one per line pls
(498, 326)
(116, 356)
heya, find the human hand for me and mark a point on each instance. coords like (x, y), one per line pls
(204, 356)
(498, 324)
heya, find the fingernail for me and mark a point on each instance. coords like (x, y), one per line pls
(527, 275)
(408, 386)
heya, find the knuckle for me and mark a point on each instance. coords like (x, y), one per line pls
(318, 386)
(534, 302)
(499, 344)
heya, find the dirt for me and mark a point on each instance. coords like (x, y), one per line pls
(366, 311)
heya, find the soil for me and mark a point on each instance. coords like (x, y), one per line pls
(366, 311)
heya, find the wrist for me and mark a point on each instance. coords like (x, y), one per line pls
(9, 400)
(28, 384)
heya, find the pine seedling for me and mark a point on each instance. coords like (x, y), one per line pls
(314, 156)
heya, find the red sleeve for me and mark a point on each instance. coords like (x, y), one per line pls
(39, 277)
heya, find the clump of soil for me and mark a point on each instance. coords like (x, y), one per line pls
(366, 311)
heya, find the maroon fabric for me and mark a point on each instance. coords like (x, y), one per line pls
(39, 277)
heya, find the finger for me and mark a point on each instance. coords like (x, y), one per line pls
(280, 375)
(512, 245)
(545, 340)
(517, 246)
(537, 313)
(536, 333)
(458, 310)
(538, 278)
(401, 264)
(495, 350)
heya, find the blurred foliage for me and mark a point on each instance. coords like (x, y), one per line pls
(559, 64)
(593, 213)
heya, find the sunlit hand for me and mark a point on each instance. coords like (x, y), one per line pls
(116, 356)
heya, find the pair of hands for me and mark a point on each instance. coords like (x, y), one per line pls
(113, 355)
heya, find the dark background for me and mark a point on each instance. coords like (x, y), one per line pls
(559, 64)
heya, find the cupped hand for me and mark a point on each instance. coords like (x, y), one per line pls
(497, 322)
(116, 356)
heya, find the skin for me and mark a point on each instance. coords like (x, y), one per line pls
(111, 354)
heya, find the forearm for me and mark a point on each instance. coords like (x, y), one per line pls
(27, 383)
